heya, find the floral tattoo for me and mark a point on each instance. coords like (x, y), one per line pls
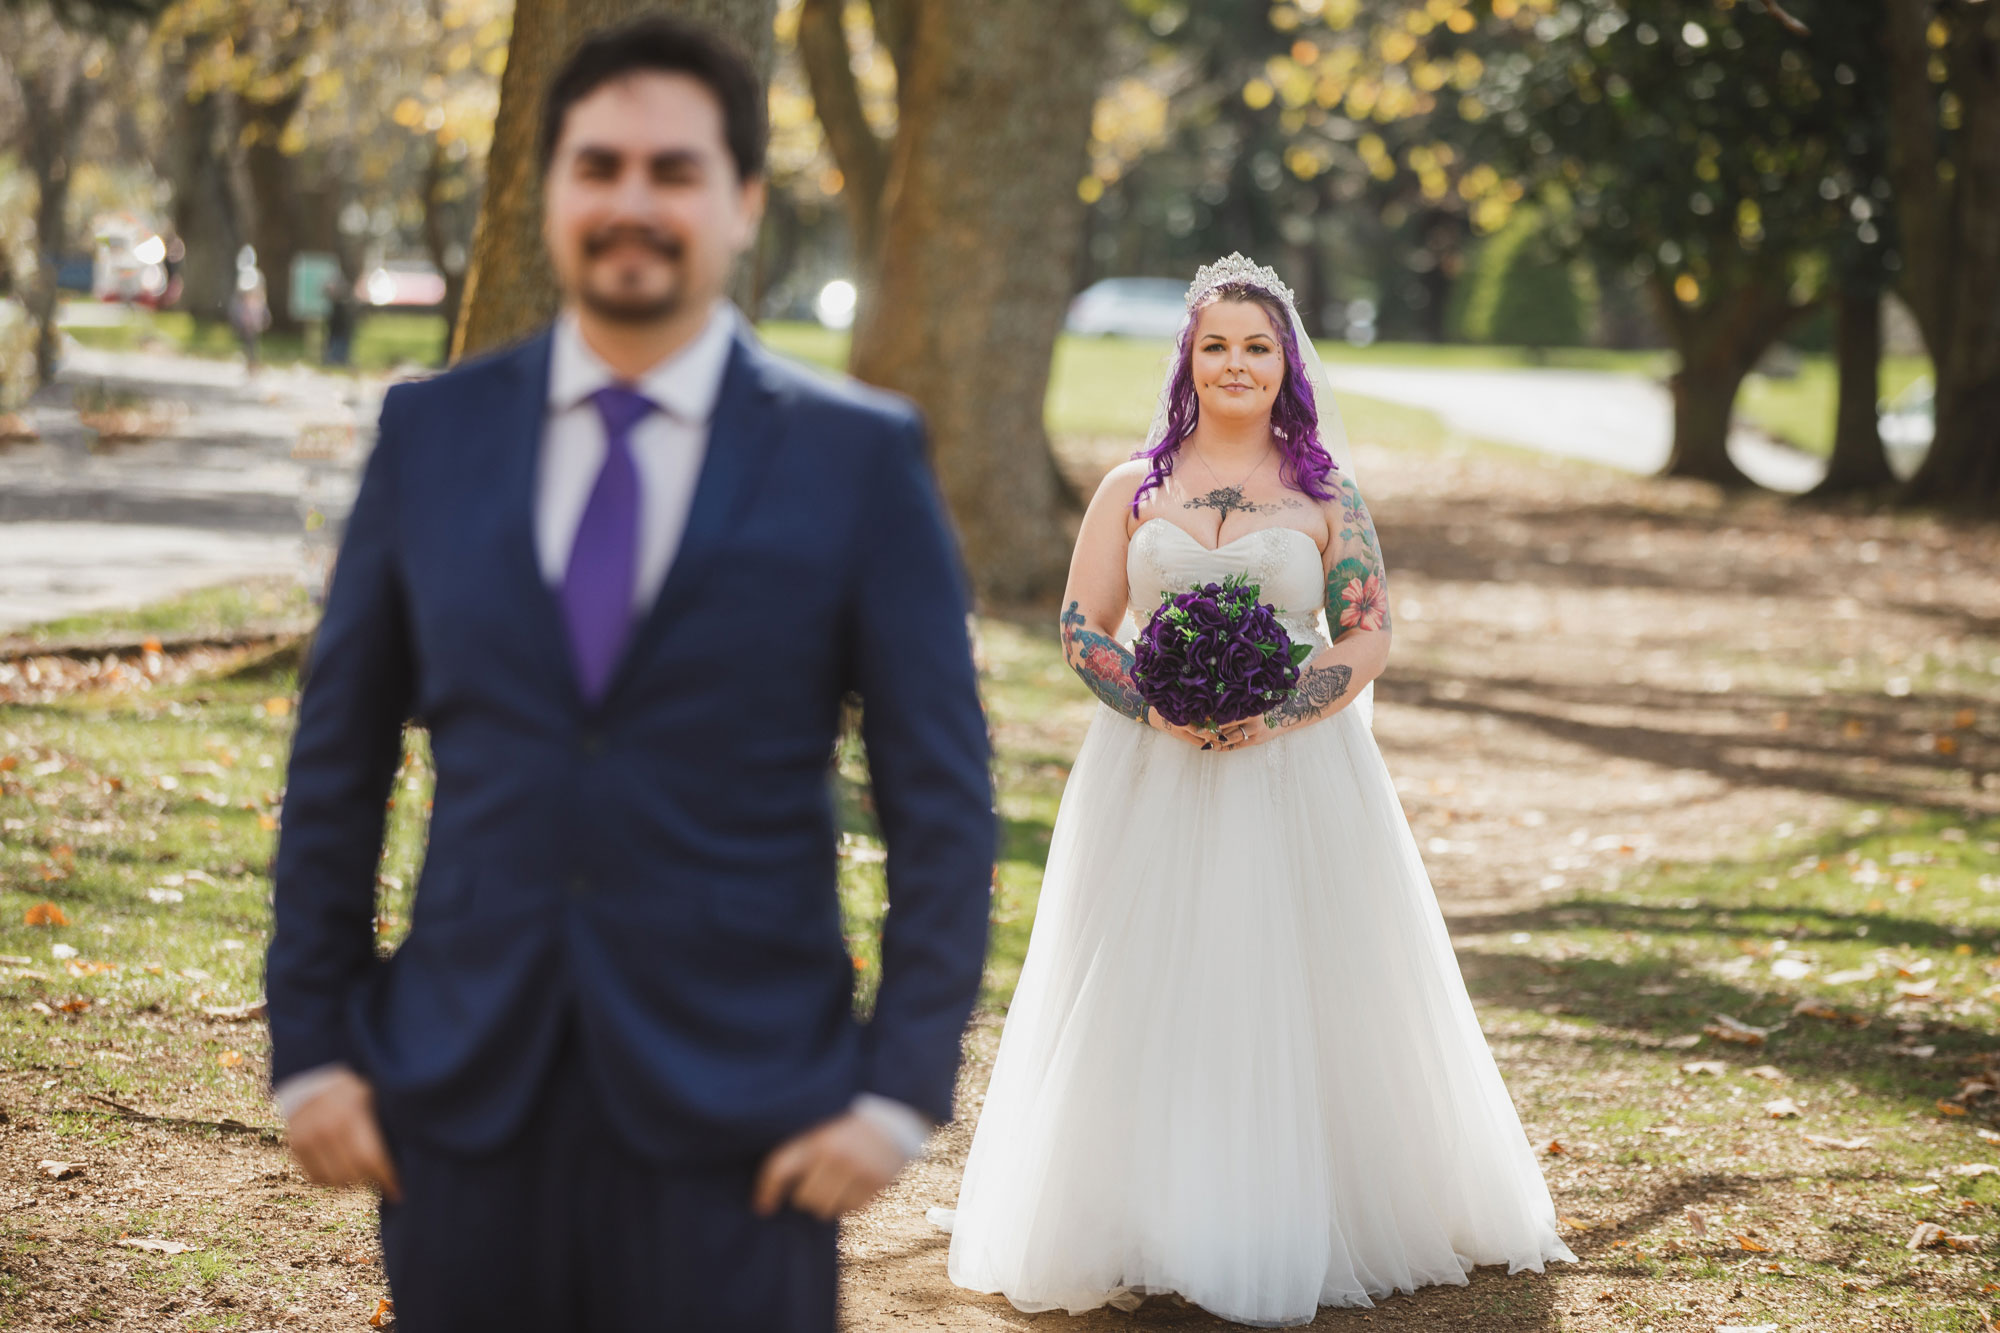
(1103, 663)
(1227, 500)
(1357, 592)
(1317, 690)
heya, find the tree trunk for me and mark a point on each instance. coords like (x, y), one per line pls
(1858, 462)
(205, 213)
(979, 237)
(54, 100)
(509, 288)
(272, 176)
(1718, 342)
(1948, 213)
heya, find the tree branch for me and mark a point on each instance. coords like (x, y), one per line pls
(1792, 25)
(862, 156)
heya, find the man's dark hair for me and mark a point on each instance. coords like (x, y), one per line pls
(669, 46)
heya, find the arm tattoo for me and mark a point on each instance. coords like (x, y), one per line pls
(1316, 692)
(1357, 592)
(1103, 663)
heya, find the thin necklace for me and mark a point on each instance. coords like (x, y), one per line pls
(1238, 487)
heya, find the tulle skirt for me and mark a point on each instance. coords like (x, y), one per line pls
(1241, 1064)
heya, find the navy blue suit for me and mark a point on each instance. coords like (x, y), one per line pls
(627, 917)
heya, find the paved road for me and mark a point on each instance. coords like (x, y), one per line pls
(1623, 421)
(246, 478)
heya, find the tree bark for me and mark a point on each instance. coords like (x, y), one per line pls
(55, 97)
(509, 288)
(1718, 343)
(1948, 213)
(980, 232)
(206, 217)
(1858, 462)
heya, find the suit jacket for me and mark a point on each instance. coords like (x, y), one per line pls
(658, 867)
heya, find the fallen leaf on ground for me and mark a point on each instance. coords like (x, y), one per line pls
(236, 1013)
(1771, 1072)
(45, 914)
(1705, 1067)
(1783, 1108)
(61, 1170)
(380, 1319)
(156, 1246)
(1735, 1029)
(1554, 1148)
(229, 1059)
(1682, 1042)
(1845, 1145)
(1746, 1243)
(1697, 1222)
(1950, 1108)
(1975, 1169)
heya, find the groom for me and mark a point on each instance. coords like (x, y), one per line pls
(625, 573)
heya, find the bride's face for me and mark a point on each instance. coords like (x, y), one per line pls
(1237, 362)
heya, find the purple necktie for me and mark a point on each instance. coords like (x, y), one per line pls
(603, 563)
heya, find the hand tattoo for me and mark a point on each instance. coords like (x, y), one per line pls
(1227, 500)
(1316, 691)
(1103, 663)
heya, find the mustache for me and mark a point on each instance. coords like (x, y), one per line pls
(659, 242)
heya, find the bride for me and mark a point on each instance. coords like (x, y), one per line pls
(1241, 1065)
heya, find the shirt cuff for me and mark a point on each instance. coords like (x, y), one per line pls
(905, 1126)
(293, 1093)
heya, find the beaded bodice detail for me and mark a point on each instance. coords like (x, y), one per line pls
(1284, 563)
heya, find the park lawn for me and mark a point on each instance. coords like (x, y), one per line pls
(147, 817)
(1097, 386)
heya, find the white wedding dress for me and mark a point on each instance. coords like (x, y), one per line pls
(1241, 1064)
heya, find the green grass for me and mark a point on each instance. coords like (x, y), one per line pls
(218, 611)
(1097, 386)
(383, 340)
(1800, 409)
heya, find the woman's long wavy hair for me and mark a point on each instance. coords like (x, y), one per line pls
(1304, 465)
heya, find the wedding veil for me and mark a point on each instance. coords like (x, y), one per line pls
(1332, 430)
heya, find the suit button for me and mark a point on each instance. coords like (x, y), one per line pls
(593, 742)
(579, 885)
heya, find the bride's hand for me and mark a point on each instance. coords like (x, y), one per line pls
(1242, 735)
(1201, 740)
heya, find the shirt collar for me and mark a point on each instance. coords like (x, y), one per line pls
(685, 385)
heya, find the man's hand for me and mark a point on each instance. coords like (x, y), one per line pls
(336, 1139)
(830, 1169)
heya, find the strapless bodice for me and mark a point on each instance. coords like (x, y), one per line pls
(1284, 563)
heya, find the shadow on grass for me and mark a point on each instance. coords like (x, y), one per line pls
(1802, 757)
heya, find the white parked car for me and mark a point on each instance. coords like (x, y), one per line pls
(1130, 308)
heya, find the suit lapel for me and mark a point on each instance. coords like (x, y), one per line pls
(743, 433)
(523, 413)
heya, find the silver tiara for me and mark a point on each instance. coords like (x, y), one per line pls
(1235, 268)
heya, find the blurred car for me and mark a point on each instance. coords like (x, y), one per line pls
(1909, 420)
(1129, 308)
(403, 282)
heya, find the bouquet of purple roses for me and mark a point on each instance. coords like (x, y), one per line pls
(1215, 654)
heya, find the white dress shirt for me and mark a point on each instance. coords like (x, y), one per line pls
(668, 447)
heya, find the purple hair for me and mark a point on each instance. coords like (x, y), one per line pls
(1305, 464)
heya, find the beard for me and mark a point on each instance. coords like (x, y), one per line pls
(620, 298)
